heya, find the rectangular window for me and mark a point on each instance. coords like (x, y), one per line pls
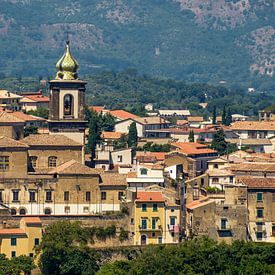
(66, 196)
(15, 195)
(144, 223)
(155, 207)
(103, 196)
(4, 163)
(1, 196)
(48, 195)
(119, 158)
(273, 197)
(33, 161)
(172, 220)
(13, 242)
(13, 254)
(36, 241)
(154, 223)
(223, 223)
(120, 195)
(160, 240)
(259, 235)
(32, 196)
(260, 196)
(88, 196)
(144, 207)
(273, 230)
(231, 178)
(67, 209)
(86, 209)
(31, 255)
(260, 213)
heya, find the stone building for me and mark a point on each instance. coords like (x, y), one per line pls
(11, 126)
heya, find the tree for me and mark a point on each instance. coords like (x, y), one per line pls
(228, 119)
(107, 123)
(132, 136)
(214, 116)
(220, 145)
(224, 116)
(94, 134)
(30, 130)
(191, 137)
(40, 112)
(24, 264)
(121, 143)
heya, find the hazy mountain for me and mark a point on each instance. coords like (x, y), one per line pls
(195, 40)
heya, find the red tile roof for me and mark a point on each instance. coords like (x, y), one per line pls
(38, 98)
(192, 148)
(111, 135)
(159, 156)
(26, 117)
(121, 114)
(149, 196)
(258, 183)
(198, 203)
(31, 220)
(12, 231)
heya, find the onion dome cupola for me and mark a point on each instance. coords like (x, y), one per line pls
(67, 66)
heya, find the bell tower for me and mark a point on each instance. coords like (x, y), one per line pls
(67, 99)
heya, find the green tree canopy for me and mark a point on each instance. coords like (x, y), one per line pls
(191, 137)
(132, 136)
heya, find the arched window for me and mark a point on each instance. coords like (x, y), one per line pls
(33, 161)
(22, 211)
(68, 105)
(143, 171)
(13, 211)
(52, 161)
(47, 211)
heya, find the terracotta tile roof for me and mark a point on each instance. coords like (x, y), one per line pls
(250, 141)
(37, 98)
(154, 166)
(182, 122)
(253, 167)
(159, 156)
(72, 167)
(218, 160)
(26, 117)
(110, 178)
(146, 196)
(192, 148)
(34, 220)
(7, 117)
(254, 125)
(258, 182)
(186, 130)
(121, 114)
(173, 160)
(49, 140)
(132, 175)
(97, 109)
(12, 231)
(6, 142)
(219, 173)
(151, 120)
(199, 203)
(111, 135)
(195, 119)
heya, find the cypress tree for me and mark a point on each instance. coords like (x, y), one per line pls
(191, 136)
(214, 117)
(132, 137)
(94, 134)
(224, 116)
(228, 120)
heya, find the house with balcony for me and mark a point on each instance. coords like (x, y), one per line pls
(9, 101)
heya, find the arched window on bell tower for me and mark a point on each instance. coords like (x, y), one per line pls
(68, 105)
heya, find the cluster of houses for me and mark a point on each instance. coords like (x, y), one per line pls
(170, 196)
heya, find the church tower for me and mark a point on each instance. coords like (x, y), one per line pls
(67, 99)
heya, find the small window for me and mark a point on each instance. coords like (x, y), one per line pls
(33, 161)
(172, 220)
(86, 209)
(172, 210)
(13, 242)
(22, 211)
(119, 158)
(231, 179)
(154, 223)
(36, 241)
(259, 235)
(47, 211)
(260, 213)
(67, 209)
(4, 163)
(153, 234)
(216, 165)
(120, 195)
(13, 254)
(88, 196)
(103, 196)
(159, 240)
(215, 180)
(66, 196)
(52, 161)
(223, 223)
(31, 255)
(13, 211)
(260, 196)
(273, 197)
(143, 171)
(32, 196)
(144, 223)
(48, 195)
(15, 195)
(155, 207)
(1, 196)
(144, 207)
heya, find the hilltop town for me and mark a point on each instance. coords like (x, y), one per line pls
(162, 178)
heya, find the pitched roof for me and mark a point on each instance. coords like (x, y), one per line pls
(218, 160)
(174, 112)
(150, 120)
(6, 142)
(12, 231)
(258, 183)
(121, 114)
(173, 160)
(37, 98)
(97, 109)
(33, 220)
(182, 122)
(111, 135)
(253, 167)
(6, 117)
(26, 117)
(143, 155)
(145, 196)
(7, 94)
(195, 119)
(49, 140)
(250, 141)
(72, 167)
(110, 178)
(199, 203)
(219, 173)
(254, 125)
(132, 175)
(192, 148)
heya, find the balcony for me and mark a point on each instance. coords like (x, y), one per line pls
(157, 228)
(224, 228)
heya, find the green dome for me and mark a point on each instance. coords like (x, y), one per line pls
(67, 66)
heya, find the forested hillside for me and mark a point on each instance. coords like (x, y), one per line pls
(190, 40)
